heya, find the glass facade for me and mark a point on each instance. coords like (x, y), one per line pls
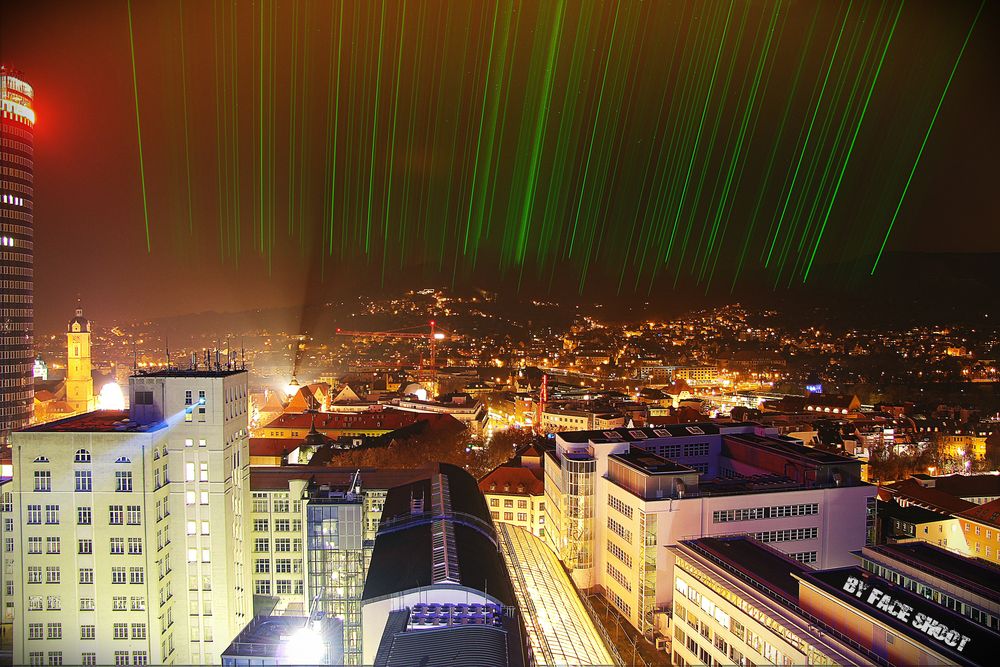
(647, 575)
(578, 512)
(337, 562)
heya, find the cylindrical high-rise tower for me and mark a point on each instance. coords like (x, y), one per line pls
(17, 120)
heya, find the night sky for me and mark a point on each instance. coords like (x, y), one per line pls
(293, 150)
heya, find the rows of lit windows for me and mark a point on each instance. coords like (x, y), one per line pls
(807, 557)
(624, 607)
(89, 658)
(772, 512)
(619, 553)
(743, 605)
(770, 653)
(786, 535)
(619, 577)
(920, 588)
(620, 530)
(619, 506)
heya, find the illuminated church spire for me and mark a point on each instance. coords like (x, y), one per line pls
(79, 381)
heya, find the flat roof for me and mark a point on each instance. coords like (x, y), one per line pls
(649, 463)
(914, 514)
(189, 373)
(98, 421)
(791, 449)
(624, 434)
(267, 636)
(979, 649)
(977, 575)
(755, 561)
(276, 478)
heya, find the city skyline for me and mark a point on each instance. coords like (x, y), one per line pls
(92, 154)
(512, 333)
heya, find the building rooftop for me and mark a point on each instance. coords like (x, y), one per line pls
(978, 650)
(988, 513)
(977, 575)
(447, 646)
(277, 478)
(268, 636)
(98, 421)
(962, 486)
(464, 495)
(548, 599)
(190, 372)
(932, 498)
(403, 560)
(910, 513)
(791, 449)
(754, 561)
(446, 508)
(384, 420)
(511, 479)
(649, 463)
(623, 434)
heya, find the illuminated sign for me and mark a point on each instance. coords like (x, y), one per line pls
(904, 612)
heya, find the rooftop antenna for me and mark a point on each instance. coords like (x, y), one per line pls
(208, 360)
(167, 339)
(243, 356)
(135, 357)
(218, 358)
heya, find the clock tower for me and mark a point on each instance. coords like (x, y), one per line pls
(79, 381)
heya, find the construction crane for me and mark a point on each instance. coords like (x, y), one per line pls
(433, 338)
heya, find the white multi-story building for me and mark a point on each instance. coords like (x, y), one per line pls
(616, 498)
(128, 535)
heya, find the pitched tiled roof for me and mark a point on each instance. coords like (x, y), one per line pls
(514, 480)
(930, 498)
(988, 513)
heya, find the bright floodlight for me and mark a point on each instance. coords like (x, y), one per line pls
(305, 647)
(111, 397)
(439, 336)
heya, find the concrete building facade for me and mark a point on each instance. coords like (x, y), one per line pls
(128, 542)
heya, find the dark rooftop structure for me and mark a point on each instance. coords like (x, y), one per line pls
(436, 534)
(277, 478)
(755, 563)
(974, 574)
(978, 649)
(962, 486)
(464, 494)
(449, 645)
(910, 513)
(649, 463)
